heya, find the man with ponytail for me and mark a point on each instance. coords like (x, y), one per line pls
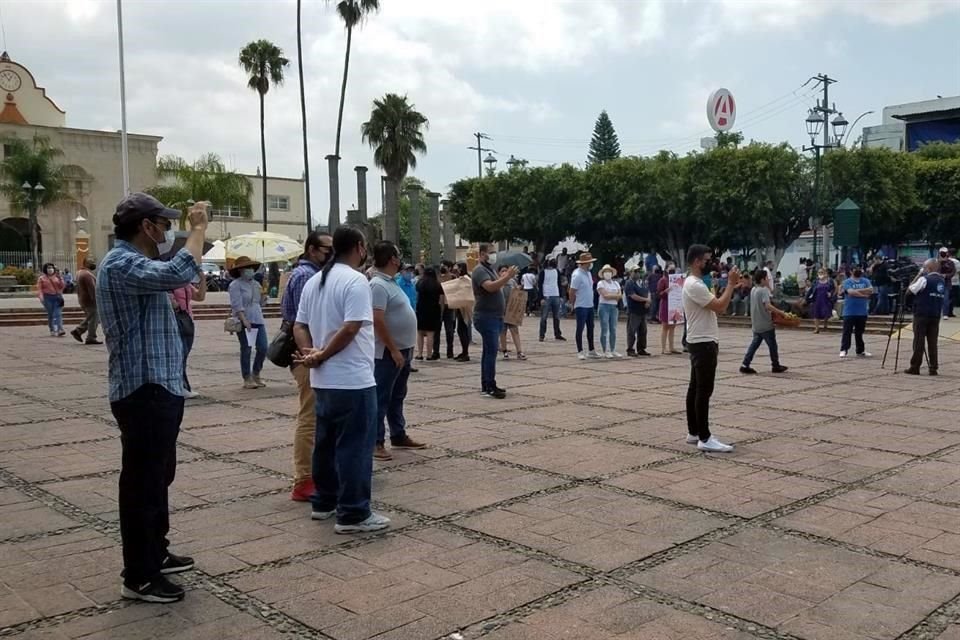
(335, 340)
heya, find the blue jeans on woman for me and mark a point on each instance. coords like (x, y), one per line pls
(51, 304)
(608, 326)
(490, 329)
(245, 351)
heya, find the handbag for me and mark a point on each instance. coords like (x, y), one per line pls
(232, 325)
(184, 323)
(59, 300)
(281, 348)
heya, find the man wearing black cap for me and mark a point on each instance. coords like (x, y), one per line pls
(146, 380)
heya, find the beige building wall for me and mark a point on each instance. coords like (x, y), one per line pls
(290, 221)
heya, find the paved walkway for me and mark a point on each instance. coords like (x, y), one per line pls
(572, 509)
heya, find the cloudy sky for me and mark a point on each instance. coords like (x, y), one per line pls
(533, 74)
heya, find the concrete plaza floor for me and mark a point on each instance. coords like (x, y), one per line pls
(572, 509)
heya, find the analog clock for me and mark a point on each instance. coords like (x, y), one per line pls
(9, 80)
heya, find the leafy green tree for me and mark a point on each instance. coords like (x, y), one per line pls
(604, 145)
(207, 178)
(395, 132)
(728, 139)
(938, 151)
(34, 163)
(264, 63)
(938, 189)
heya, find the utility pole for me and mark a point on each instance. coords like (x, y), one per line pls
(480, 149)
(819, 117)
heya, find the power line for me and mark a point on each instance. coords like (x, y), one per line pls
(479, 149)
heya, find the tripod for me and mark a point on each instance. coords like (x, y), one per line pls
(896, 322)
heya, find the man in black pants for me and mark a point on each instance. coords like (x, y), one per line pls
(146, 381)
(447, 316)
(703, 336)
(928, 290)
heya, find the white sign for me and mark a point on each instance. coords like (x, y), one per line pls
(721, 110)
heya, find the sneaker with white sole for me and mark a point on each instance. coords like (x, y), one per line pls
(159, 590)
(374, 522)
(617, 355)
(582, 355)
(865, 354)
(843, 354)
(712, 444)
(594, 355)
(190, 395)
(608, 355)
(322, 515)
(692, 439)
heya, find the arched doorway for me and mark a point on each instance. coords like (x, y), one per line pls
(15, 241)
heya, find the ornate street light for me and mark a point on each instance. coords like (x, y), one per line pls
(491, 163)
(814, 122)
(839, 126)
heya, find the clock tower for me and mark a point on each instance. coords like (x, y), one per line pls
(25, 103)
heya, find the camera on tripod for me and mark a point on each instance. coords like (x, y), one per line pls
(902, 270)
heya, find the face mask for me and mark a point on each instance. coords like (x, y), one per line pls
(49, 272)
(246, 274)
(671, 272)
(492, 258)
(607, 276)
(166, 244)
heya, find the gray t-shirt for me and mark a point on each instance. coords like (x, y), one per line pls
(760, 317)
(487, 304)
(399, 316)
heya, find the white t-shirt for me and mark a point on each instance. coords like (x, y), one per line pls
(608, 286)
(582, 283)
(529, 281)
(956, 276)
(345, 297)
(701, 322)
(550, 284)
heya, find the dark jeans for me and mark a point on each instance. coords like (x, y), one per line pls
(551, 306)
(187, 348)
(490, 329)
(883, 300)
(391, 392)
(149, 421)
(703, 373)
(584, 319)
(246, 348)
(449, 322)
(637, 331)
(925, 330)
(947, 302)
(343, 452)
(853, 325)
(463, 332)
(654, 305)
(531, 300)
(770, 337)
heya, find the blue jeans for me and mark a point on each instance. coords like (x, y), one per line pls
(343, 452)
(551, 305)
(608, 326)
(51, 304)
(584, 319)
(391, 392)
(245, 351)
(489, 329)
(883, 300)
(770, 337)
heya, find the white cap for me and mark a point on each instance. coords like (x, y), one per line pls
(944, 250)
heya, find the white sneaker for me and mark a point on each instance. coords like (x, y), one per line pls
(594, 354)
(374, 522)
(714, 445)
(865, 354)
(190, 395)
(843, 354)
(692, 439)
(608, 355)
(617, 355)
(322, 515)
(582, 355)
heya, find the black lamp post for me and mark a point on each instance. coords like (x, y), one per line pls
(817, 122)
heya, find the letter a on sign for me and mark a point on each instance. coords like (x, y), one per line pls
(721, 110)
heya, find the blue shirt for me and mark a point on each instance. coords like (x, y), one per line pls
(143, 339)
(854, 307)
(409, 288)
(291, 295)
(245, 296)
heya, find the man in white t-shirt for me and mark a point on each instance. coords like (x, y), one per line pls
(549, 285)
(529, 282)
(703, 337)
(334, 334)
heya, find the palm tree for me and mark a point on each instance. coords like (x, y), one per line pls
(205, 179)
(303, 119)
(27, 166)
(352, 12)
(264, 63)
(395, 132)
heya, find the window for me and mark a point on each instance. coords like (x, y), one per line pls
(229, 211)
(7, 150)
(78, 187)
(278, 203)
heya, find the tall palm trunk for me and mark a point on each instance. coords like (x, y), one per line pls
(391, 214)
(334, 219)
(263, 159)
(303, 120)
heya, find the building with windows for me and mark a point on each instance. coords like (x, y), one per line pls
(93, 175)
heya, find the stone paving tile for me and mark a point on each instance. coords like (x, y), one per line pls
(950, 633)
(892, 523)
(21, 515)
(841, 463)
(411, 585)
(764, 419)
(472, 433)
(26, 410)
(928, 415)
(286, 405)
(668, 431)
(248, 436)
(804, 588)
(446, 486)
(574, 416)
(63, 461)
(579, 456)
(594, 526)
(611, 613)
(218, 414)
(24, 436)
(932, 479)
(480, 404)
(810, 403)
(888, 437)
(721, 486)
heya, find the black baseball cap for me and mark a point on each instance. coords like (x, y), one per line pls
(137, 206)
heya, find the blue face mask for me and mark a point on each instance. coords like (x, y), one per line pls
(407, 276)
(246, 274)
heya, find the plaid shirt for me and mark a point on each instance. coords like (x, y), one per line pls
(291, 295)
(133, 302)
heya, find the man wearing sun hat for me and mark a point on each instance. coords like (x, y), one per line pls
(146, 380)
(581, 299)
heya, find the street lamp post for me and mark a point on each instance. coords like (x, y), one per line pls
(491, 163)
(32, 195)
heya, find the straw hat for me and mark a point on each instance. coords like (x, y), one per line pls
(243, 262)
(586, 258)
(606, 267)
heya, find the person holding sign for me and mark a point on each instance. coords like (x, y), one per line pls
(670, 313)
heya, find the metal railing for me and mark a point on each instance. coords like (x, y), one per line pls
(23, 259)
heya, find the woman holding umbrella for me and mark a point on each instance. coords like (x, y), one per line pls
(245, 299)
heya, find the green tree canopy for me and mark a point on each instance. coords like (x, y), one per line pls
(395, 133)
(34, 162)
(604, 145)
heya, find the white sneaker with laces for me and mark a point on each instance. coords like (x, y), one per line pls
(712, 444)
(843, 354)
(865, 354)
(594, 354)
(322, 515)
(692, 439)
(582, 355)
(374, 522)
(617, 355)
(608, 355)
